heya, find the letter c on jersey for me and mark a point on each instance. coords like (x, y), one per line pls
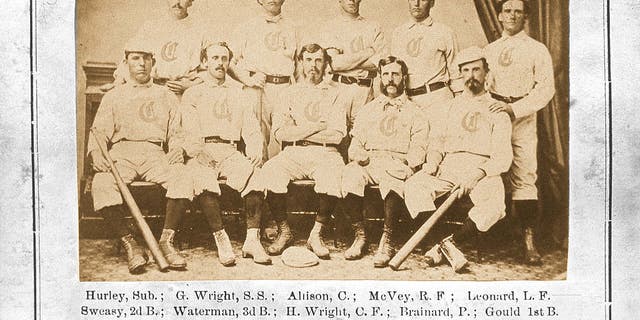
(357, 44)
(414, 46)
(147, 113)
(312, 111)
(388, 125)
(470, 121)
(221, 110)
(169, 51)
(272, 41)
(506, 58)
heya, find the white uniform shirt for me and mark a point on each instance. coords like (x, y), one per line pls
(521, 67)
(305, 103)
(209, 109)
(177, 45)
(137, 112)
(352, 35)
(266, 44)
(394, 125)
(472, 128)
(428, 48)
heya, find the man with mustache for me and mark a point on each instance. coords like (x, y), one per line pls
(177, 40)
(428, 47)
(310, 123)
(522, 78)
(214, 118)
(264, 61)
(471, 153)
(354, 44)
(138, 119)
(389, 142)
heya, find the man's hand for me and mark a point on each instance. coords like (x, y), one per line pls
(179, 86)
(469, 181)
(206, 160)
(256, 160)
(99, 163)
(500, 106)
(361, 158)
(430, 168)
(175, 156)
(257, 80)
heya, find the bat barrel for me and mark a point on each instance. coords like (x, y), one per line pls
(422, 232)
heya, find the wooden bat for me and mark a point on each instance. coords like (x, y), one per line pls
(411, 244)
(149, 239)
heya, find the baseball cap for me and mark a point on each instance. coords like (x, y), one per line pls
(137, 44)
(299, 257)
(469, 54)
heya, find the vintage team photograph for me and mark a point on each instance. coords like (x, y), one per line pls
(408, 140)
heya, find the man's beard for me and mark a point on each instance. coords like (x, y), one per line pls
(474, 85)
(385, 89)
(316, 76)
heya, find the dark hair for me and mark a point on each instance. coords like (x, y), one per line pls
(525, 6)
(484, 64)
(391, 59)
(313, 48)
(203, 52)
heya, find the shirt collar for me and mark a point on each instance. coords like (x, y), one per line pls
(347, 18)
(428, 22)
(135, 84)
(482, 97)
(519, 35)
(272, 19)
(212, 82)
(397, 102)
(324, 84)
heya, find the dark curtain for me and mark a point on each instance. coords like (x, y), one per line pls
(548, 23)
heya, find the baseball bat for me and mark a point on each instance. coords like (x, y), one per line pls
(149, 239)
(411, 244)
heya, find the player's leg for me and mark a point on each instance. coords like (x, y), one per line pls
(354, 180)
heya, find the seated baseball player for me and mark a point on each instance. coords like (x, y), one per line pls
(389, 141)
(138, 119)
(310, 124)
(470, 154)
(215, 115)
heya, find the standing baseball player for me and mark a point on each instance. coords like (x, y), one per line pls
(264, 60)
(310, 123)
(474, 149)
(215, 116)
(428, 48)
(177, 41)
(389, 141)
(521, 78)
(138, 119)
(354, 44)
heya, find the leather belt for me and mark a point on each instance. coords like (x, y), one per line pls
(505, 99)
(217, 139)
(157, 143)
(363, 82)
(274, 79)
(424, 89)
(304, 143)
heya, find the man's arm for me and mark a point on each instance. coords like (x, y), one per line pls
(251, 133)
(501, 152)
(419, 142)
(543, 89)
(336, 123)
(190, 126)
(365, 59)
(104, 128)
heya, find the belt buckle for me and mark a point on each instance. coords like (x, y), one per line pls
(275, 80)
(346, 80)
